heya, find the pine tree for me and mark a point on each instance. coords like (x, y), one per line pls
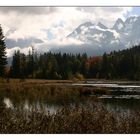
(15, 68)
(3, 58)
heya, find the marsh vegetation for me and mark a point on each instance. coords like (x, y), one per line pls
(41, 106)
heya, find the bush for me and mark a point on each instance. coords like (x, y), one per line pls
(78, 76)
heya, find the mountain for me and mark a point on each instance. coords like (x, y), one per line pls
(99, 37)
(123, 34)
(119, 25)
(95, 34)
(95, 38)
(101, 25)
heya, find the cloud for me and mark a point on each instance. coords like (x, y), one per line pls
(106, 9)
(106, 15)
(45, 47)
(11, 51)
(28, 10)
(23, 43)
(51, 25)
(29, 20)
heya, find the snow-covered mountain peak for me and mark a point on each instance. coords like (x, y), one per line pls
(97, 35)
(123, 34)
(119, 25)
(88, 23)
(131, 19)
(101, 25)
(97, 38)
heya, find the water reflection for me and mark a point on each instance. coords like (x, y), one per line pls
(121, 87)
(26, 106)
(8, 103)
(122, 98)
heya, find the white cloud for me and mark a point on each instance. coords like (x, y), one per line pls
(45, 47)
(27, 22)
(11, 51)
(107, 15)
(30, 24)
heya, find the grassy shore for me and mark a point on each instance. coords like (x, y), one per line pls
(93, 120)
(79, 112)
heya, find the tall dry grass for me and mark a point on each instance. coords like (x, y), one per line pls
(90, 117)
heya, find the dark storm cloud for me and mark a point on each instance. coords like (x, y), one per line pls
(28, 10)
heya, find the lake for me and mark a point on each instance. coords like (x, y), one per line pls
(123, 96)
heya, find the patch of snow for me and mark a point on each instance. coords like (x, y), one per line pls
(97, 37)
(128, 28)
(116, 34)
(114, 41)
(120, 26)
(84, 30)
(133, 19)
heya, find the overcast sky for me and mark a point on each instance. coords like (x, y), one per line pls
(53, 24)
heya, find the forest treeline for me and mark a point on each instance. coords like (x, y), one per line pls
(116, 65)
(123, 64)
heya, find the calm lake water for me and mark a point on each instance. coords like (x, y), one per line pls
(124, 97)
